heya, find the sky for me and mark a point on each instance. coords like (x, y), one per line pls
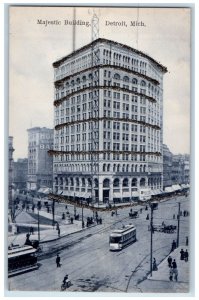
(34, 47)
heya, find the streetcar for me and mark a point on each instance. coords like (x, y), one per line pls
(120, 238)
(21, 259)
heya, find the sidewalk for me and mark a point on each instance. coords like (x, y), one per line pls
(47, 232)
(159, 281)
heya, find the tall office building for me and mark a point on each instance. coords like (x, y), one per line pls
(40, 164)
(108, 122)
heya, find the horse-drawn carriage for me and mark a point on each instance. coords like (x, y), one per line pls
(163, 228)
(133, 214)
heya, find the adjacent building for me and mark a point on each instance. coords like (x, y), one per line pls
(108, 118)
(180, 173)
(167, 166)
(40, 164)
(20, 173)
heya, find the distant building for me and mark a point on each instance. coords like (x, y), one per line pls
(180, 169)
(167, 166)
(40, 164)
(20, 172)
(10, 170)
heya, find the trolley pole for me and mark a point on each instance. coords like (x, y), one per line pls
(178, 231)
(151, 248)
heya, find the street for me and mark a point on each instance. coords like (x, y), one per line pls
(92, 267)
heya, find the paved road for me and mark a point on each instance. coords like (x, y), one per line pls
(92, 267)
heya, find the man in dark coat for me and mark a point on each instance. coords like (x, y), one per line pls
(58, 259)
(169, 261)
(182, 254)
(174, 265)
(186, 255)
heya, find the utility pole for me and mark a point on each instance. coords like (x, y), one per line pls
(53, 212)
(178, 231)
(151, 250)
(38, 224)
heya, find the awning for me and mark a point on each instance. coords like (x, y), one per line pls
(176, 187)
(44, 190)
(169, 189)
(116, 195)
(135, 194)
(126, 194)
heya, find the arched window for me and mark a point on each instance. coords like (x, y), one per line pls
(143, 83)
(72, 82)
(108, 167)
(116, 182)
(132, 168)
(83, 182)
(106, 182)
(126, 79)
(118, 168)
(104, 167)
(89, 182)
(125, 182)
(134, 81)
(71, 181)
(78, 80)
(114, 168)
(66, 181)
(96, 182)
(116, 76)
(142, 182)
(77, 181)
(84, 78)
(134, 182)
(90, 76)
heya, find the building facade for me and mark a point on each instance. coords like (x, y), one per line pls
(40, 163)
(108, 122)
(20, 172)
(180, 173)
(10, 170)
(167, 166)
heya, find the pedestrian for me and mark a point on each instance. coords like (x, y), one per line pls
(174, 216)
(58, 231)
(186, 255)
(71, 220)
(170, 274)
(169, 261)
(58, 259)
(140, 210)
(154, 265)
(175, 272)
(182, 254)
(184, 213)
(57, 226)
(187, 241)
(174, 264)
(147, 217)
